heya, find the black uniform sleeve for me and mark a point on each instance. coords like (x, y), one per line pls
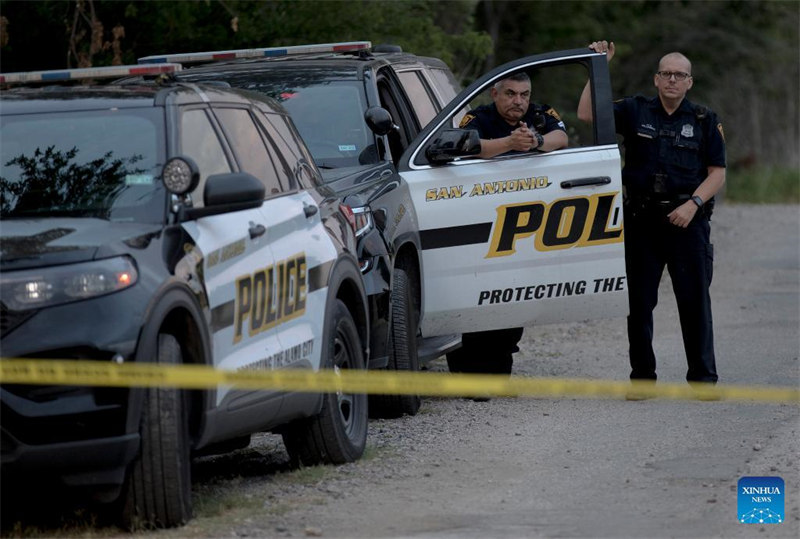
(624, 109)
(553, 121)
(473, 120)
(715, 148)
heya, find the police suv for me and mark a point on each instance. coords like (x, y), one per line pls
(357, 108)
(477, 244)
(172, 223)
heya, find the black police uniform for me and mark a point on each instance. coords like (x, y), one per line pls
(491, 125)
(492, 351)
(666, 159)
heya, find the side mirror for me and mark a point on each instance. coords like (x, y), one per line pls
(379, 120)
(450, 144)
(233, 188)
(223, 193)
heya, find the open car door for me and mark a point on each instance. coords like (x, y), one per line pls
(522, 239)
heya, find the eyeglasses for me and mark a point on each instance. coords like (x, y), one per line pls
(679, 75)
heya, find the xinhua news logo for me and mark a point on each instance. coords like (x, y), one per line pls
(761, 500)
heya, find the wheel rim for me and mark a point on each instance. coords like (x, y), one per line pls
(342, 359)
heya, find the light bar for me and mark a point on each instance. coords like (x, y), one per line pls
(87, 73)
(270, 52)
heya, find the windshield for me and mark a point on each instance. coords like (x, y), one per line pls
(329, 114)
(103, 163)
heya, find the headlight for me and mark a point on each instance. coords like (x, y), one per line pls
(46, 287)
(363, 217)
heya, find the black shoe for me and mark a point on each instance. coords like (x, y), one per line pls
(639, 390)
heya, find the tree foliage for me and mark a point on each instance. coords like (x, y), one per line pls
(745, 54)
(55, 180)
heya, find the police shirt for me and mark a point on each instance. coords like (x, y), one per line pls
(490, 125)
(677, 149)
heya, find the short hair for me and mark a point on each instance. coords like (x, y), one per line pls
(518, 77)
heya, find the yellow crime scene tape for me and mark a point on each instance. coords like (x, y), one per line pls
(94, 373)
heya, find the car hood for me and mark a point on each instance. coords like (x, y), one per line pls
(27, 243)
(368, 182)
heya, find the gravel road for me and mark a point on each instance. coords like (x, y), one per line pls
(545, 467)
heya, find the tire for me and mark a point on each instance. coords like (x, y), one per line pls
(338, 434)
(158, 492)
(403, 349)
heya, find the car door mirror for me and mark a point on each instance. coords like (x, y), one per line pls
(231, 191)
(233, 188)
(379, 120)
(450, 144)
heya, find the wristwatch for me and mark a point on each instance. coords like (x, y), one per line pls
(697, 200)
(539, 140)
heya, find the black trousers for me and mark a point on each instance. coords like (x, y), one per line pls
(487, 352)
(651, 243)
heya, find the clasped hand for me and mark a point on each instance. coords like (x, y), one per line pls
(523, 138)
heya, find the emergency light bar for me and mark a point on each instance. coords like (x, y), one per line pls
(270, 52)
(87, 73)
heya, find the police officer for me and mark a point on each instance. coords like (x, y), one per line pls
(674, 165)
(510, 125)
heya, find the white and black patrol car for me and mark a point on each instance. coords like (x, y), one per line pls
(456, 244)
(171, 223)
(357, 107)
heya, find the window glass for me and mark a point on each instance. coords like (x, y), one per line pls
(103, 163)
(446, 83)
(283, 155)
(419, 95)
(284, 127)
(249, 147)
(200, 142)
(558, 87)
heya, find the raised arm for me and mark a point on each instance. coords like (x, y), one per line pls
(585, 104)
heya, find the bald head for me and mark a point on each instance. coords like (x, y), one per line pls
(675, 57)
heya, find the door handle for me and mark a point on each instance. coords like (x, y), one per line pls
(309, 210)
(256, 230)
(583, 182)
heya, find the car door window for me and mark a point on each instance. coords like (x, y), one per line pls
(249, 147)
(419, 95)
(393, 98)
(199, 141)
(295, 157)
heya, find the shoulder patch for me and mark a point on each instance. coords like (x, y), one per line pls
(552, 112)
(721, 133)
(466, 119)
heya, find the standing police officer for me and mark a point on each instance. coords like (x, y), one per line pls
(511, 124)
(674, 165)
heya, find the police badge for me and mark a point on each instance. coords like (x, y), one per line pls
(687, 131)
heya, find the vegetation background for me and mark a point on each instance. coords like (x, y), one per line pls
(745, 54)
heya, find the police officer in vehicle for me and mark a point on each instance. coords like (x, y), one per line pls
(510, 125)
(674, 165)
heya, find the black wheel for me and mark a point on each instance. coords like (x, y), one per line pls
(338, 434)
(403, 349)
(159, 493)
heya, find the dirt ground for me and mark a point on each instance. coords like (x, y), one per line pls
(555, 467)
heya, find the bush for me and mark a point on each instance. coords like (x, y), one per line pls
(763, 185)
